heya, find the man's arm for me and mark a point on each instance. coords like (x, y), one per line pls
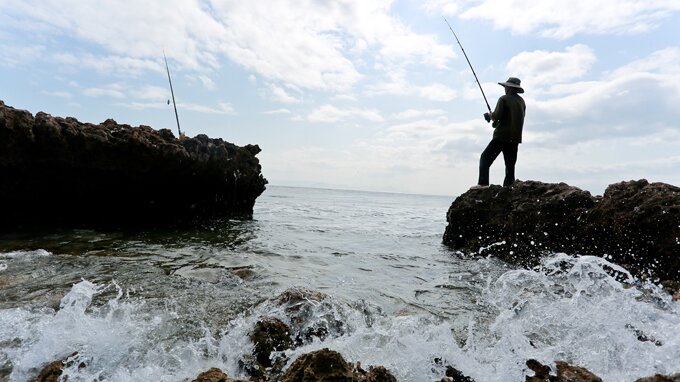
(497, 113)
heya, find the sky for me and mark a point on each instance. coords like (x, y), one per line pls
(368, 95)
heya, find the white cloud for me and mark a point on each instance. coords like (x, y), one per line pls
(112, 90)
(541, 68)
(15, 55)
(207, 82)
(635, 100)
(123, 66)
(152, 93)
(59, 94)
(396, 83)
(221, 108)
(437, 92)
(277, 111)
(308, 44)
(563, 19)
(280, 94)
(330, 113)
(345, 97)
(413, 113)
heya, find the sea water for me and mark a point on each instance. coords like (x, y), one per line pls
(168, 304)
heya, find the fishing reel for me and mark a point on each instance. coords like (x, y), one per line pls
(487, 117)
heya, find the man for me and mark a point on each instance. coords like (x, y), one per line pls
(508, 120)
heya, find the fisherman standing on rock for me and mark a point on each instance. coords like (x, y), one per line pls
(508, 120)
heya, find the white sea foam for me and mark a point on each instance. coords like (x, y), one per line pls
(20, 254)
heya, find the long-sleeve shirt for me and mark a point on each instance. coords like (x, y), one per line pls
(510, 111)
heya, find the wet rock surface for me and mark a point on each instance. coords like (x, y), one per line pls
(272, 336)
(661, 378)
(269, 335)
(61, 172)
(635, 224)
(329, 365)
(565, 373)
(53, 371)
(215, 375)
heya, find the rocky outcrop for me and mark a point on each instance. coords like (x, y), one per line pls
(635, 224)
(215, 375)
(53, 371)
(59, 171)
(661, 378)
(565, 373)
(328, 365)
(271, 336)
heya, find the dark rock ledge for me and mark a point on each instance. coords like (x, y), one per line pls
(635, 224)
(61, 172)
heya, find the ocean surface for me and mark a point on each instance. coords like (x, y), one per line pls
(165, 305)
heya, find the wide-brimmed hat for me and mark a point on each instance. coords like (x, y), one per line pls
(513, 82)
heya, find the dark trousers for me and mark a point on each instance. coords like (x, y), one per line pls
(490, 154)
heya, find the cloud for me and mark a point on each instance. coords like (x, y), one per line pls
(437, 92)
(15, 55)
(152, 93)
(207, 82)
(112, 90)
(277, 111)
(396, 83)
(417, 113)
(222, 108)
(280, 94)
(562, 19)
(59, 94)
(306, 44)
(122, 66)
(330, 113)
(541, 68)
(635, 100)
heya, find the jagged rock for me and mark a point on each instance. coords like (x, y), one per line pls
(565, 373)
(299, 304)
(455, 375)
(270, 334)
(661, 378)
(636, 224)
(379, 374)
(328, 365)
(569, 373)
(215, 375)
(672, 287)
(53, 371)
(59, 171)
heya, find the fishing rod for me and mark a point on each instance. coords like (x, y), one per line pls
(486, 116)
(173, 95)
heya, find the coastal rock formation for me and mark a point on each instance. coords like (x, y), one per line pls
(661, 378)
(635, 224)
(565, 373)
(271, 336)
(215, 375)
(61, 172)
(328, 365)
